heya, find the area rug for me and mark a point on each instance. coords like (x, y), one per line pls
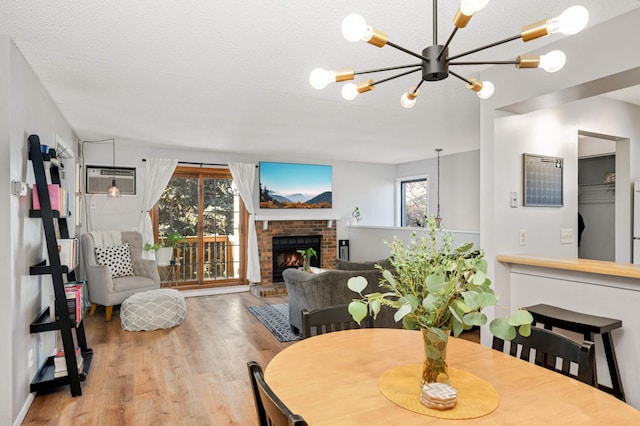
(276, 319)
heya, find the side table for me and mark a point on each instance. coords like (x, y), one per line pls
(169, 275)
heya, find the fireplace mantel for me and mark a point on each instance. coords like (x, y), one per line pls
(266, 218)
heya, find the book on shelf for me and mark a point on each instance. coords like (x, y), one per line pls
(76, 301)
(60, 363)
(75, 295)
(68, 252)
(54, 196)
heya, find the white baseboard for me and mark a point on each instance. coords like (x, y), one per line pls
(25, 409)
(215, 291)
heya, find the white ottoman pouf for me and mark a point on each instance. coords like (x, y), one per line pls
(153, 310)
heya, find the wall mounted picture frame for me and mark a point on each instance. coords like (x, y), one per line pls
(542, 181)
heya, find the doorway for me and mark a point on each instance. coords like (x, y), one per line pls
(596, 198)
(604, 193)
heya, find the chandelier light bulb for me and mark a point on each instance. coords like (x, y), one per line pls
(571, 21)
(349, 91)
(553, 61)
(319, 78)
(469, 7)
(406, 102)
(354, 27)
(487, 90)
(408, 99)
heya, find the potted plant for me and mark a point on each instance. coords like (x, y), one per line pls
(174, 240)
(164, 248)
(306, 258)
(154, 247)
(439, 290)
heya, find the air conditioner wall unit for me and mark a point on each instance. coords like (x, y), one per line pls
(99, 179)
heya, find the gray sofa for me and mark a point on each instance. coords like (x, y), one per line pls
(313, 291)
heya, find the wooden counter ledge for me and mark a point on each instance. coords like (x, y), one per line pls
(581, 265)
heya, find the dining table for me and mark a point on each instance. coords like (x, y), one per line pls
(349, 378)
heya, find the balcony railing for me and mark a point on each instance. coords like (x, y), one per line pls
(218, 262)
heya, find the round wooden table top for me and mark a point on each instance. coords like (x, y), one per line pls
(332, 379)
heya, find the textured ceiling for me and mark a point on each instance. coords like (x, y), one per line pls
(233, 75)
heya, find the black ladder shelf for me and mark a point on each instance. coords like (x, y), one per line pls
(44, 378)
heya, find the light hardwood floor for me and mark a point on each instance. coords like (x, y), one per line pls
(194, 374)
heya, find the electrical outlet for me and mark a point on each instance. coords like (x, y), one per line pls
(523, 237)
(30, 358)
(566, 236)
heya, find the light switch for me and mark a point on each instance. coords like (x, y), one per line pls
(566, 236)
(513, 199)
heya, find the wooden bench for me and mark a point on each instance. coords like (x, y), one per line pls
(588, 326)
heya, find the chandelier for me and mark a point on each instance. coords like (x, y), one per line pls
(435, 59)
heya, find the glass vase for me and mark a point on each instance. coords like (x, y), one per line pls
(435, 360)
(306, 264)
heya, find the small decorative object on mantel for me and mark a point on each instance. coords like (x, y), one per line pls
(306, 258)
(439, 290)
(356, 215)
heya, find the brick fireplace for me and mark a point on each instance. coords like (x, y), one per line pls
(289, 228)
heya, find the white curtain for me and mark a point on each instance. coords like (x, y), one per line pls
(157, 176)
(244, 175)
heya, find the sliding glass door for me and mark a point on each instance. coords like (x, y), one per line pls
(203, 205)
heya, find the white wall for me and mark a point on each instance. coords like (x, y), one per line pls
(595, 53)
(368, 243)
(368, 186)
(24, 109)
(554, 132)
(6, 210)
(371, 187)
(459, 187)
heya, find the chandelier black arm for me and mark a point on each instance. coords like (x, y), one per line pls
(387, 69)
(513, 62)
(395, 76)
(395, 46)
(444, 48)
(497, 43)
(460, 77)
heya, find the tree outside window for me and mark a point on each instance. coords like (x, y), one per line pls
(414, 201)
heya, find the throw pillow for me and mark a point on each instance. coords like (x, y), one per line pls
(117, 258)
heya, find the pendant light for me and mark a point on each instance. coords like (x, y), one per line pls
(113, 190)
(438, 218)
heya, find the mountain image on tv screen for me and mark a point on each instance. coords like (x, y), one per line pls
(295, 186)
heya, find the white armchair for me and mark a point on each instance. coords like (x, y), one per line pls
(106, 288)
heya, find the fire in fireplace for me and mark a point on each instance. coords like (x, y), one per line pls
(285, 252)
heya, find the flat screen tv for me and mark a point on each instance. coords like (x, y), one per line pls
(295, 186)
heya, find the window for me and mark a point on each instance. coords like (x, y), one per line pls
(204, 206)
(414, 200)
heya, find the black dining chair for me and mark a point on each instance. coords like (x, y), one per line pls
(549, 347)
(329, 319)
(271, 410)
